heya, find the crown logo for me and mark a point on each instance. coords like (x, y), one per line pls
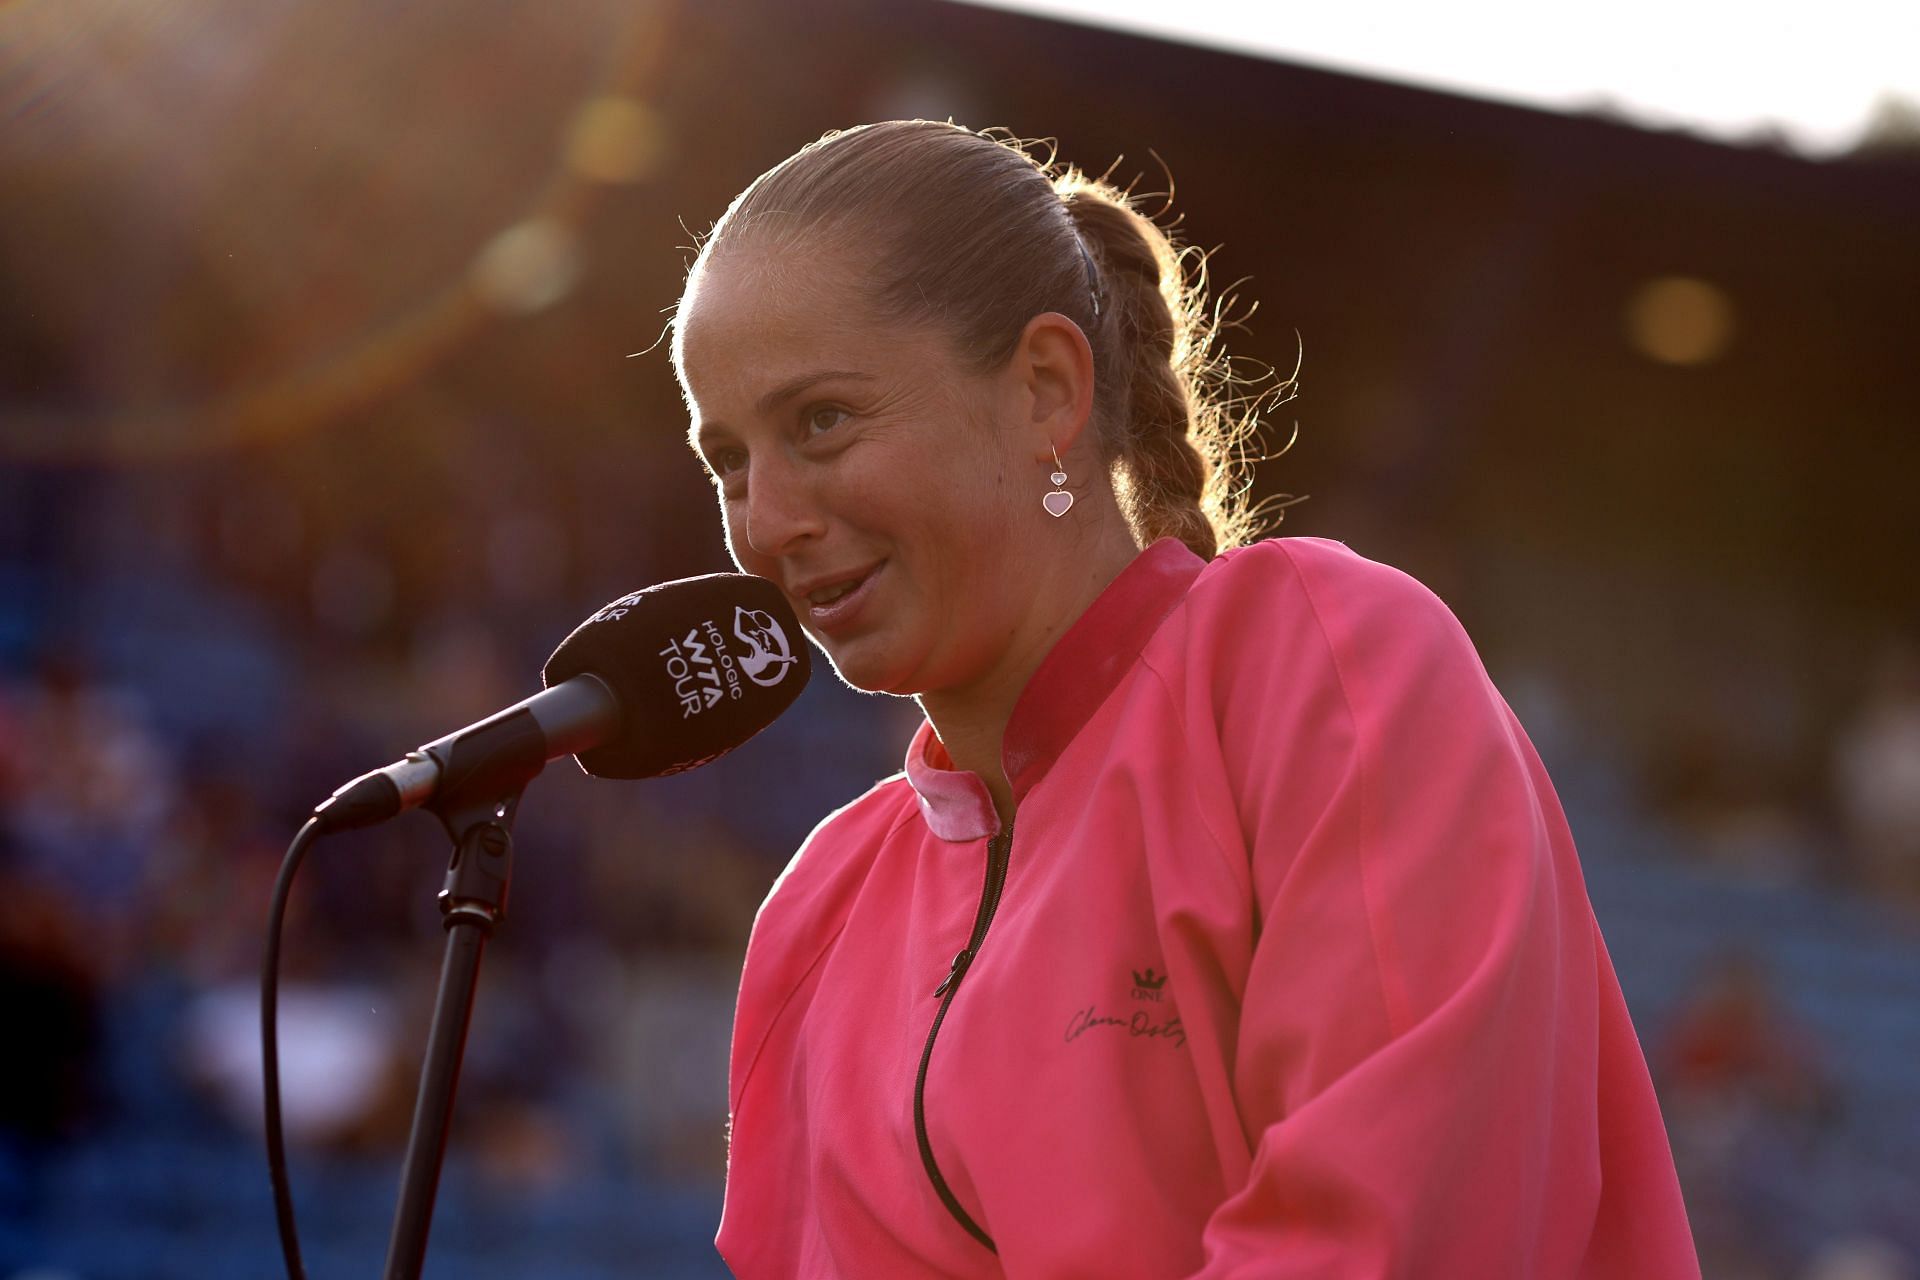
(1149, 981)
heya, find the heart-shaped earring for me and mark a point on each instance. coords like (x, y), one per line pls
(1059, 501)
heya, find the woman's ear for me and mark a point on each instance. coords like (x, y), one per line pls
(1053, 365)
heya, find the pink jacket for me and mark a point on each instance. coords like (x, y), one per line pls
(1287, 970)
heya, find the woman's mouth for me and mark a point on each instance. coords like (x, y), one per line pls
(833, 607)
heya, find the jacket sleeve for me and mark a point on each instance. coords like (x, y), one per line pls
(1431, 1041)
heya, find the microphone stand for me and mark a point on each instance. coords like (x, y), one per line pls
(472, 902)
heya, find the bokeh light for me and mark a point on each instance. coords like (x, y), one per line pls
(617, 140)
(1680, 320)
(527, 267)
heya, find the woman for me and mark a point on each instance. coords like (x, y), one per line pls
(1223, 921)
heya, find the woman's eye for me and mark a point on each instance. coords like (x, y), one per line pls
(725, 462)
(826, 417)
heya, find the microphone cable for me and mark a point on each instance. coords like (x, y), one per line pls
(270, 1050)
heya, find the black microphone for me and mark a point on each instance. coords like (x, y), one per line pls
(656, 682)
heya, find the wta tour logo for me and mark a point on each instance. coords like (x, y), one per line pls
(703, 667)
(767, 664)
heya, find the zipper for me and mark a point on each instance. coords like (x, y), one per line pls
(999, 851)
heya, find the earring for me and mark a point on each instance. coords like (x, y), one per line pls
(1058, 501)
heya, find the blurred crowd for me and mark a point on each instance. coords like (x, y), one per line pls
(1849, 816)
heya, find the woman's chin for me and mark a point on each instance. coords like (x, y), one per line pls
(860, 667)
(865, 679)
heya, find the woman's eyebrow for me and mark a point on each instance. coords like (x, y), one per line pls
(701, 435)
(794, 386)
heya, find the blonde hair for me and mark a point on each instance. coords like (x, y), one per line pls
(977, 234)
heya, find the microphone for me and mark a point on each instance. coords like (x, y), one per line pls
(656, 682)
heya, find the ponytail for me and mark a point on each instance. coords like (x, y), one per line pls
(1177, 420)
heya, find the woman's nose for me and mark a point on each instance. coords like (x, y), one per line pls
(781, 510)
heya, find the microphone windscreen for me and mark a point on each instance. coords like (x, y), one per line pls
(699, 666)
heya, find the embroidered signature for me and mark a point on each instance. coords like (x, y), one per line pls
(1140, 1024)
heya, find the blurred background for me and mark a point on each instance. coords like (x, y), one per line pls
(321, 423)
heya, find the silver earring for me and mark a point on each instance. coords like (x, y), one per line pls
(1059, 500)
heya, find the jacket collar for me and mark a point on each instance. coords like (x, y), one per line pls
(1066, 689)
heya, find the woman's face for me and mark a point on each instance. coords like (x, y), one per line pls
(882, 484)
